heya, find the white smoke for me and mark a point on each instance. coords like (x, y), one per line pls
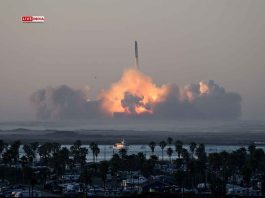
(203, 100)
(63, 102)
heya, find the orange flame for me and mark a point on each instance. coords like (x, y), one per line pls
(136, 84)
(204, 88)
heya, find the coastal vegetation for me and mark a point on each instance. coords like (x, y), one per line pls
(43, 162)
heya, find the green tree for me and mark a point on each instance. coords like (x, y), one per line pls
(152, 146)
(30, 155)
(185, 155)
(103, 168)
(200, 152)
(15, 150)
(193, 146)
(148, 167)
(153, 158)
(2, 147)
(75, 150)
(59, 160)
(251, 149)
(86, 177)
(34, 147)
(115, 164)
(179, 176)
(45, 152)
(141, 159)
(246, 173)
(169, 140)
(178, 147)
(11, 154)
(23, 161)
(123, 153)
(169, 153)
(55, 147)
(162, 145)
(202, 159)
(95, 150)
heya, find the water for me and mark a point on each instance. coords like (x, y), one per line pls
(140, 125)
(106, 151)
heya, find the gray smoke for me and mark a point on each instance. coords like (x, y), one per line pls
(63, 102)
(130, 102)
(204, 100)
(195, 102)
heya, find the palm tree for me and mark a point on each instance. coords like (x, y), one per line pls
(178, 147)
(202, 159)
(185, 155)
(83, 153)
(23, 161)
(45, 152)
(30, 155)
(192, 148)
(34, 147)
(115, 163)
(86, 177)
(94, 148)
(141, 158)
(169, 152)
(59, 160)
(103, 168)
(97, 151)
(2, 146)
(169, 140)
(123, 153)
(179, 176)
(14, 149)
(55, 147)
(33, 182)
(200, 152)
(77, 144)
(251, 149)
(7, 157)
(162, 144)
(246, 172)
(76, 151)
(152, 146)
(153, 158)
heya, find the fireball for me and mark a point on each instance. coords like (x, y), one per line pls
(134, 93)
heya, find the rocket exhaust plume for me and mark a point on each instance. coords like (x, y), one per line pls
(136, 94)
(136, 55)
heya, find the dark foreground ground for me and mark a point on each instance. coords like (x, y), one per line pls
(132, 136)
(173, 195)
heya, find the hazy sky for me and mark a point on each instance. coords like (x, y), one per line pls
(90, 43)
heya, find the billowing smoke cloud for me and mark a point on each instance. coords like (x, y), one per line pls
(131, 102)
(205, 100)
(63, 102)
(136, 95)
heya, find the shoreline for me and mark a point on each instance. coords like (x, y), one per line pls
(133, 137)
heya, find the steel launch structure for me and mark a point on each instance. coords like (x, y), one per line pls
(136, 55)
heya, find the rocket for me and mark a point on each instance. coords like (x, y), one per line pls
(136, 55)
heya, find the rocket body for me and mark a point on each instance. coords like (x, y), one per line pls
(136, 55)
